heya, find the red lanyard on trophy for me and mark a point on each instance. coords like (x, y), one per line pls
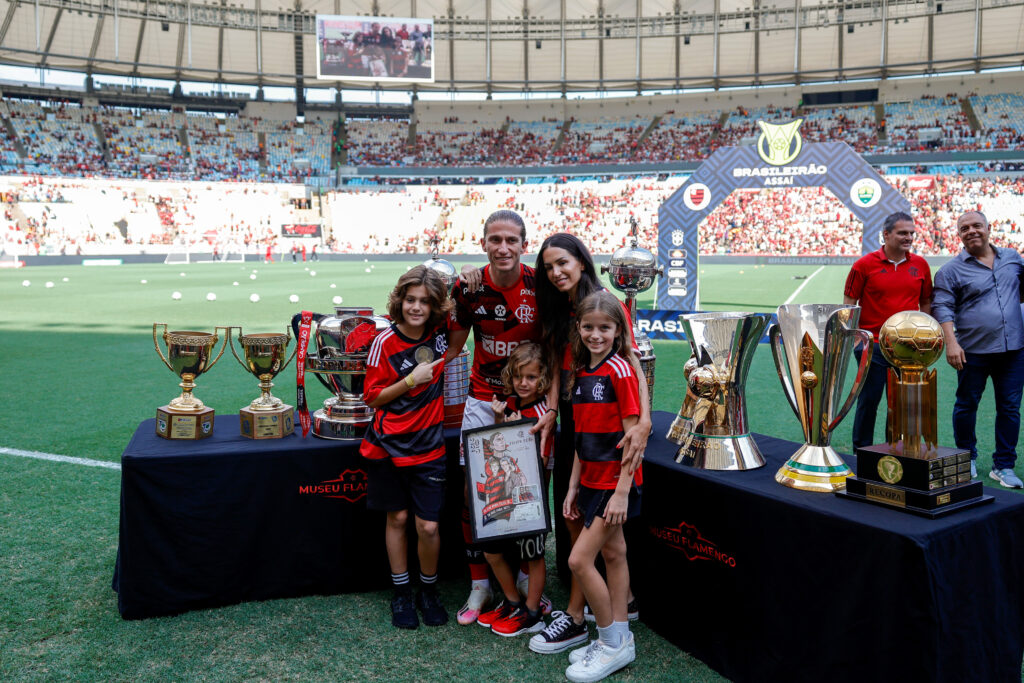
(300, 372)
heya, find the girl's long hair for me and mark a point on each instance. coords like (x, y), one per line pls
(555, 307)
(440, 303)
(605, 303)
(521, 356)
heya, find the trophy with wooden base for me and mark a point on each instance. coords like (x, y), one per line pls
(911, 471)
(188, 356)
(267, 417)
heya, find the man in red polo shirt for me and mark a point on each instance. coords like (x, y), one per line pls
(882, 283)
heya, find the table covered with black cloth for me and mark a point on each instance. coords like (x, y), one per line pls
(765, 583)
(228, 519)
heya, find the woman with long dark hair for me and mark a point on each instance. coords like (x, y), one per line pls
(565, 276)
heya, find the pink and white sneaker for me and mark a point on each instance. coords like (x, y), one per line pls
(478, 599)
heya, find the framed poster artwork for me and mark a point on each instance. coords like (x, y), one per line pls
(505, 477)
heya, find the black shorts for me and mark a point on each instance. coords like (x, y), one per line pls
(419, 488)
(529, 547)
(592, 502)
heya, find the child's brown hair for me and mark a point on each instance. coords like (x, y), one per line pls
(440, 303)
(605, 303)
(521, 356)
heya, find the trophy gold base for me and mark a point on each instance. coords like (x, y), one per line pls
(326, 426)
(930, 504)
(723, 453)
(182, 425)
(266, 424)
(814, 468)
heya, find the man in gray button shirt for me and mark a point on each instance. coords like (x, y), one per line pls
(977, 302)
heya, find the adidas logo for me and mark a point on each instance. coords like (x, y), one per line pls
(405, 365)
(481, 311)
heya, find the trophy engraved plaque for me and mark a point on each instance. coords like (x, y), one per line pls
(911, 471)
(632, 270)
(811, 345)
(188, 356)
(718, 437)
(267, 417)
(343, 344)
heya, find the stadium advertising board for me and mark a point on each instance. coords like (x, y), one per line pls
(380, 49)
(779, 159)
(300, 230)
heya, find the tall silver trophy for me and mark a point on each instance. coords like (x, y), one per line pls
(343, 345)
(632, 270)
(456, 372)
(718, 435)
(818, 340)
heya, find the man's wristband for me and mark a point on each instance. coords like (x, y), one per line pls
(409, 381)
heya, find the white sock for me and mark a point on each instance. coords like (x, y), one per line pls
(608, 636)
(621, 630)
(481, 583)
(523, 576)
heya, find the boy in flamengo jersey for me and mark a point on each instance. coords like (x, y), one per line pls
(498, 303)
(405, 440)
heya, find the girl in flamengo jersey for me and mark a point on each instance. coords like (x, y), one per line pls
(603, 492)
(405, 441)
(569, 277)
(526, 379)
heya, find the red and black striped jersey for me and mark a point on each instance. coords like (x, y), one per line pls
(409, 429)
(501, 319)
(601, 398)
(534, 409)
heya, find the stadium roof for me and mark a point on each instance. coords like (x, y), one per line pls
(542, 45)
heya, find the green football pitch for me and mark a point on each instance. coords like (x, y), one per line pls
(79, 373)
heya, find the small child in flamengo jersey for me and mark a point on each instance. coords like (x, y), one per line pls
(526, 378)
(404, 443)
(602, 495)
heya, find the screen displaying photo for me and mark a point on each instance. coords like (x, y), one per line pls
(374, 49)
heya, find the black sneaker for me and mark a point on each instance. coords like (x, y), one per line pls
(560, 635)
(403, 613)
(429, 604)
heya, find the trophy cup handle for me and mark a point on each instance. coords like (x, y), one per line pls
(858, 383)
(775, 336)
(156, 344)
(296, 320)
(232, 345)
(295, 349)
(223, 345)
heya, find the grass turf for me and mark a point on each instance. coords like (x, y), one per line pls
(81, 372)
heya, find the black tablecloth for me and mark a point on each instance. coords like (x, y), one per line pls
(765, 583)
(229, 519)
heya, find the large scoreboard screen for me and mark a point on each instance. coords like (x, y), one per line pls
(374, 49)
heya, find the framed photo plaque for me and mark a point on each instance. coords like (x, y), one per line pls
(506, 481)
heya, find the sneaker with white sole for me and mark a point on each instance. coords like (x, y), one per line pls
(1007, 478)
(545, 601)
(518, 622)
(601, 661)
(632, 612)
(560, 635)
(974, 470)
(579, 653)
(478, 599)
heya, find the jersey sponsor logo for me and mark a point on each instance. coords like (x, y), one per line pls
(499, 348)
(598, 392)
(500, 311)
(526, 292)
(524, 313)
(406, 364)
(440, 344)
(481, 311)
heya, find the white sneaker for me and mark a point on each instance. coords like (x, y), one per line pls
(580, 652)
(475, 603)
(601, 661)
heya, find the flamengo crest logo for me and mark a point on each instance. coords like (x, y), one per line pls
(779, 145)
(687, 539)
(350, 485)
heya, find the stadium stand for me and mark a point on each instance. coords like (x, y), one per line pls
(1001, 117)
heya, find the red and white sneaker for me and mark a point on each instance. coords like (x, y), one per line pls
(489, 618)
(478, 599)
(517, 622)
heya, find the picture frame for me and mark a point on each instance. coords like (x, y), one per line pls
(505, 479)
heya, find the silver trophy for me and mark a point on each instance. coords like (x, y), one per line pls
(343, 344)
(718, 436)
(456, 371)
(632, 270)
(818, 340)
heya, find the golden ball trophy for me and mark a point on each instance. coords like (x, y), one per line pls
(188, 356)
(911, 472)
(267, 417)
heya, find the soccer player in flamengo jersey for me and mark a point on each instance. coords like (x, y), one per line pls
(602, 493)
(405, 442)
(498, 303)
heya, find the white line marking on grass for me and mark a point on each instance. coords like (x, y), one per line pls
(60, 458)
(802, 285)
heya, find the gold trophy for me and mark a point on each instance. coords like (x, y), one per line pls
(267, 417)
(680, 426)
(911, 471)
(188, 356)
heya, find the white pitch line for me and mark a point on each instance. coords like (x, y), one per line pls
(60, 458)
(803, 284)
